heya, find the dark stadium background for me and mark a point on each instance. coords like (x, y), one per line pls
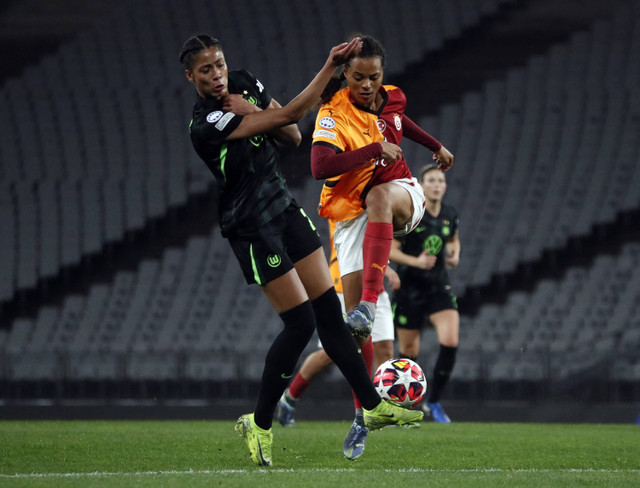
(560, 377)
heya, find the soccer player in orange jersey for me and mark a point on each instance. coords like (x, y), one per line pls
(369, 190)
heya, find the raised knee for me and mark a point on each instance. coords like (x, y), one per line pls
(378, 199)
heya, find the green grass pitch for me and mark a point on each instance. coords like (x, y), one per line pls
(210, 453)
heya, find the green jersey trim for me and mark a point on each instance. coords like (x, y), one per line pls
(223, 160)
(256, 273)
(313, 227)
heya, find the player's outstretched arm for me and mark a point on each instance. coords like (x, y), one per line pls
(267, 120)
(441, 154)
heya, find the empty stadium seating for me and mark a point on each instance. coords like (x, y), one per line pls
(101, 125)
(542, 155)
(545, 154)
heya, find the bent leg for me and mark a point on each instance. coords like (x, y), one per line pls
(315, 364)
(388, 206)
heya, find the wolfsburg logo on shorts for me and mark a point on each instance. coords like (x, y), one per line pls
(274, 260)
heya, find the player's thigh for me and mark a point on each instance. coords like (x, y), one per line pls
(305, 250)
(447, 325)
(388, 201)
(314, 273)
(285, 292)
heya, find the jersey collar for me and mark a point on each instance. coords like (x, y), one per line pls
(385, 99)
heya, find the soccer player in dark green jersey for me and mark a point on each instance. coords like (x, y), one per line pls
(275, 243)
(424, 257)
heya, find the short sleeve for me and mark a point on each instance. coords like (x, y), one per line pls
(331, 128)
(215, 126)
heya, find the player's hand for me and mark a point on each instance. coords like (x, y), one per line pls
(451, 262)
(235, 103)
(392, 276)
(444, 159)
(390, 152)
(425, 261)
(342, 53)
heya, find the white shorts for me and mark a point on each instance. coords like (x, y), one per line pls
(383, 323)
(349, 235)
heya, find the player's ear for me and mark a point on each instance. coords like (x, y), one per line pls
(189, 74)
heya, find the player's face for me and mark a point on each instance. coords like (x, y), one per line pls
(434, 185)
(210, 74)
(364, 77)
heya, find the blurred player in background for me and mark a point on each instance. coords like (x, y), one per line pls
(368, 190)
(274, 241)
(424, 257)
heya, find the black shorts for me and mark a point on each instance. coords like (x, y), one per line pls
(274, 248)
(411, 307)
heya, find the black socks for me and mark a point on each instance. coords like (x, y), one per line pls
(281, 360)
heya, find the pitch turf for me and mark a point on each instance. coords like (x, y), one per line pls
(210, 453)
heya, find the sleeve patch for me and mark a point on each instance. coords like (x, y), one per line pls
(213, 117)
(324, 133)
(224, 120)
(327, 123)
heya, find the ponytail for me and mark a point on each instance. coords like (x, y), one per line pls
(335, 84)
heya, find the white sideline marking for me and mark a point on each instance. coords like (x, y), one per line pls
(100, 474)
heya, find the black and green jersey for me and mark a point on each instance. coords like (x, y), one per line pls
(252, 189)
(432, 233)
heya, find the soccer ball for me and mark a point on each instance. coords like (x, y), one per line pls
(401, 381)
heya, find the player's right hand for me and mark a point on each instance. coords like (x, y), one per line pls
(444, 159)
(390, 152)
(425, 261)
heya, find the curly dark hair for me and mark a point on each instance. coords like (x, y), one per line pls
(370, 47)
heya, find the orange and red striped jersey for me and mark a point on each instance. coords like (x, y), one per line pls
(345, 126)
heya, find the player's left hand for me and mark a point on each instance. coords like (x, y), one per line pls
(235, 103)
(444, 159)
